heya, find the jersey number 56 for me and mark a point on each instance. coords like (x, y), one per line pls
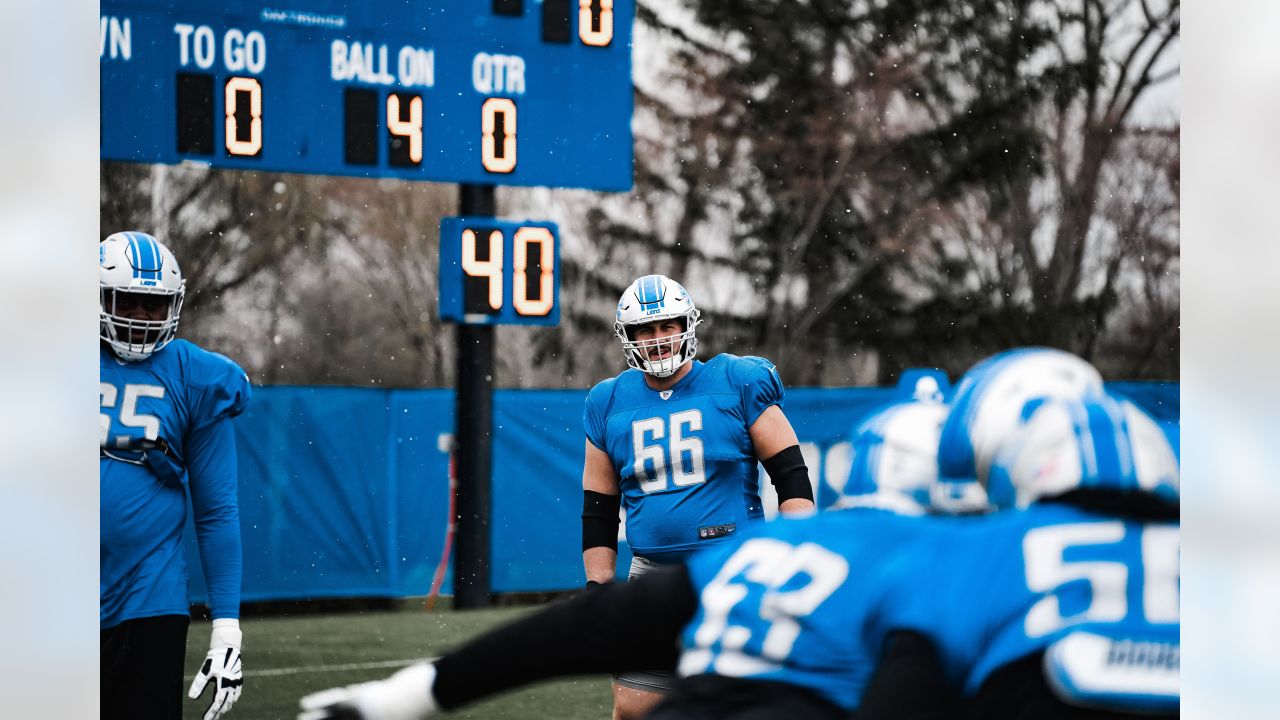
(1048, 569)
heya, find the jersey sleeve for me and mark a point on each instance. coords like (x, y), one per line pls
(221, 391)
(593, 414)
(211, 468)
(761, 387)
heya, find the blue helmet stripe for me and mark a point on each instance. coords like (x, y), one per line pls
(1125, 448)
(1088, 436)
(135, 253)
(154, 250)
(649, 290)
(146, 257)
(1108, 435)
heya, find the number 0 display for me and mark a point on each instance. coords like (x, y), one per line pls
(243, 103)
(499, 272)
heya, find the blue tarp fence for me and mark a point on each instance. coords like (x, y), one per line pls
(344, 492)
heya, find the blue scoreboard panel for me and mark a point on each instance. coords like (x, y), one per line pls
(503, 92)
(499, 272)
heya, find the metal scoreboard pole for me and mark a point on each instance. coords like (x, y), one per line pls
(473, 420)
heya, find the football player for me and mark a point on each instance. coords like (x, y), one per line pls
(675, 442)
(1066, 607)
(793, 618)
(770, 624)
(165, 431)
(769, 619)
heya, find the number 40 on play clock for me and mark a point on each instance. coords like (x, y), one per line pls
(499, 272)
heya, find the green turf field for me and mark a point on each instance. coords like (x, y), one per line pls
(287, 657)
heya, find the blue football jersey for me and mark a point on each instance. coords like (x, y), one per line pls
(1098, 594)
(163, 431)
(788, 599)
(683, 457)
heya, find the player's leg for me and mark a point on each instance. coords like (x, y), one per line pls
(637, 693)
(141, 668)
(631, 703)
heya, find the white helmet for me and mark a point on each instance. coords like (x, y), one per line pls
(649, 299)
(1096, 443)
(895, 457)
(130, 265)
(988, 404)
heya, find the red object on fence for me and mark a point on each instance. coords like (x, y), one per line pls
(438, 579)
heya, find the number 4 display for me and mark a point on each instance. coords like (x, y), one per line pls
(496, 272)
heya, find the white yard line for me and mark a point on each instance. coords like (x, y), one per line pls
(274, 672)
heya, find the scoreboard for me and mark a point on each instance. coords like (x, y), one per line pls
(500, 92)
(499, 272)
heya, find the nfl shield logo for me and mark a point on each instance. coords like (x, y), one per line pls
(665, 394)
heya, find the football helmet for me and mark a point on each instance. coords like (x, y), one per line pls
(650, 299)
(135, 270)
(1096, 442)
(988, 403)
(895, 458)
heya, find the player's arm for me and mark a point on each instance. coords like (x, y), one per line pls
(211, 468)
(776, 444)
(601, 498)
(211, 472)
(625, 626)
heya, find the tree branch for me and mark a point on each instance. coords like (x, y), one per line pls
(1144, 79)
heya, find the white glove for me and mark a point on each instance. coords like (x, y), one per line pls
(222, 665)
(403, 696)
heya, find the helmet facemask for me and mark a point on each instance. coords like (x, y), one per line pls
(131, 338)
(681, 347)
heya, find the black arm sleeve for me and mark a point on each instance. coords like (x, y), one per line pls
(620, 627)
(789, 475)
(909, 684)
(600, 520)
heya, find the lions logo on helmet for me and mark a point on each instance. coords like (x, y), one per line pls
(1092, 443)
(650, 299)
(140, 294)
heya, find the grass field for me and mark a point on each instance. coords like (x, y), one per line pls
(288, 657)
